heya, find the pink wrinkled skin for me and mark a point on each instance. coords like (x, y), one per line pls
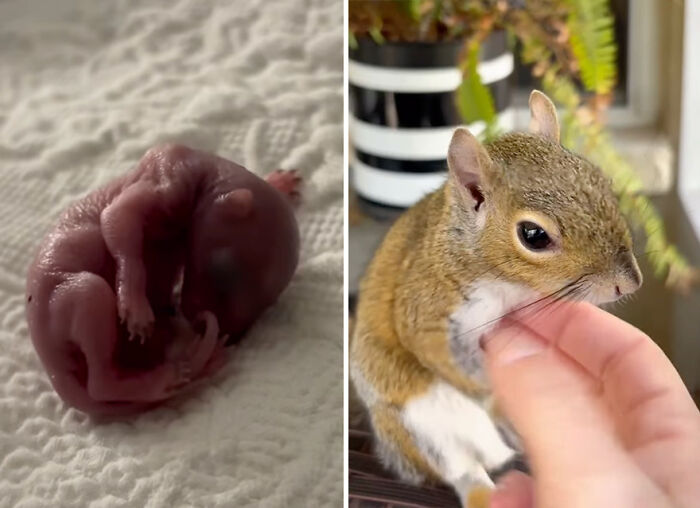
(106, 314)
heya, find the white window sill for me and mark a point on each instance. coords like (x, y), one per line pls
(651, 155)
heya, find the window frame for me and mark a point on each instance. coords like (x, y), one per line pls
(686, 347)
(641, 108)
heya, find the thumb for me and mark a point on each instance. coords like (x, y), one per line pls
(553, 405)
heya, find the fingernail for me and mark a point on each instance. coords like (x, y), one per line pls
(511, 347)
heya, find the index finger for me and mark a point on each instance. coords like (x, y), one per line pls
(630, 366)
(592, 337)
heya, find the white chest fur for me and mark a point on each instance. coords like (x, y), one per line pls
(488, 301)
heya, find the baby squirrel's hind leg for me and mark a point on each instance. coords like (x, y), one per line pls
(209, 353)
(196, 348)
(287, 182)
(88, 302)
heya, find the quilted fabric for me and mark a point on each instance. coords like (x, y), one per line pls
(85, 89)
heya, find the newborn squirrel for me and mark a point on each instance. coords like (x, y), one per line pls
(520, 222)
(182, 253)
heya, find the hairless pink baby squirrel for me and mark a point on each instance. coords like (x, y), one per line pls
(183, 254)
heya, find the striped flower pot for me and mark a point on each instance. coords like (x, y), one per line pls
(403, 113)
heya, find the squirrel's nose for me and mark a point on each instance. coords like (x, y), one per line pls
(629, 277)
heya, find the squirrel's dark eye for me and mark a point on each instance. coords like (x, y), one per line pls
(533, 236)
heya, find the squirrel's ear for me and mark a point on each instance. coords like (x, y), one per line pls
(543, 116)
(468, 161)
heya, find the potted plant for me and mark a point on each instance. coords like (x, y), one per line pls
(405, 84)
(570, 48)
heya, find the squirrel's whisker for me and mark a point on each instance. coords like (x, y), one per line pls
(530, 305)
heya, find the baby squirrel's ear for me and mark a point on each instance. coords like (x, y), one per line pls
(468, 161)
(236, 204)
(544, 116)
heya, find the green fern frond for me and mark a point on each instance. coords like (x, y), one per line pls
(474, 100)
(352, 40)
(376, 33)
(412, 8)
(593, 43)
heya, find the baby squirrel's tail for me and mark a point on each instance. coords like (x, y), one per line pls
(77, 396)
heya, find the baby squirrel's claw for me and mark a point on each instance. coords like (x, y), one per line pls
(288, 183)
(141, 333)
(138, 320)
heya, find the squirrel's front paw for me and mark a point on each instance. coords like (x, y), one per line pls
(137, 315)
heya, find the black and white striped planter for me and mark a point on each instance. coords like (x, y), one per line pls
(403, 113)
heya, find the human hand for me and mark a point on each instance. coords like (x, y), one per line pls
(604, 417)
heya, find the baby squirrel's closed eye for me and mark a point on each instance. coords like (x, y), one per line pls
(222, 271)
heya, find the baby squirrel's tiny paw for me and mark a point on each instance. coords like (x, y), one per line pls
(288, 183)
(139, 320)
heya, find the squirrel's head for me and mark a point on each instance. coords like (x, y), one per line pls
(540, 215)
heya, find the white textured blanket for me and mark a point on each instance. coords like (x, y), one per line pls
(85, 88)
